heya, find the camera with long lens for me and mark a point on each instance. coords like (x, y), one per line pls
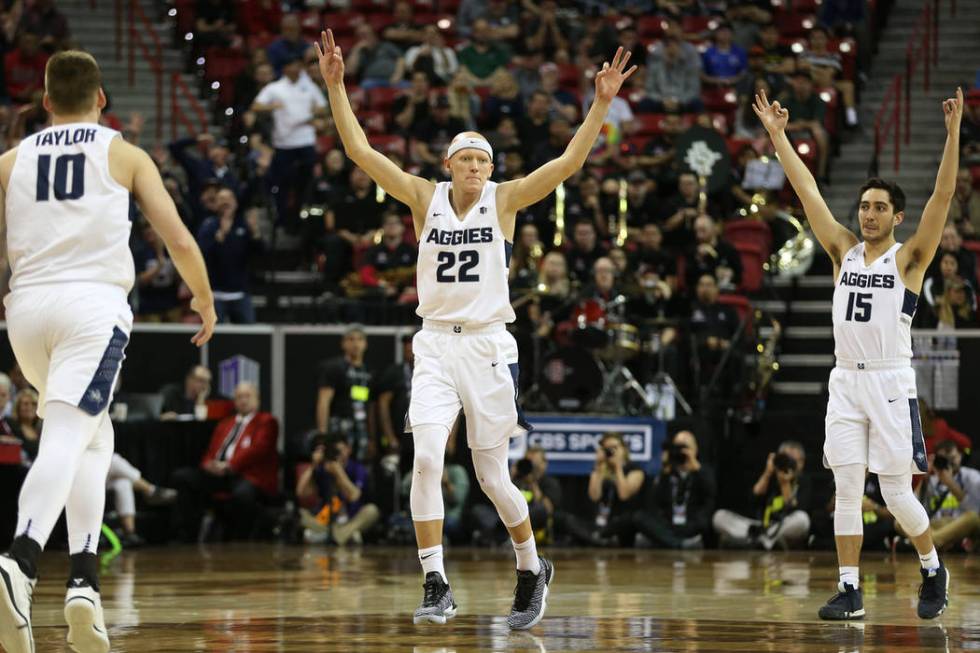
(784, 462)
(524, 468)
(940, 462)
(677, 454)
(330, 446)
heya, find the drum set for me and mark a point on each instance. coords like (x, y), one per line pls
(590, 372)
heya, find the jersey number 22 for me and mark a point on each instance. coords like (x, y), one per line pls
(468, 259)
(64, 189)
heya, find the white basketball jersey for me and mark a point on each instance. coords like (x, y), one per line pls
(873, 309)
(67, 218)
(462, 268)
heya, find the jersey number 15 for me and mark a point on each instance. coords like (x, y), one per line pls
(65, 188)
(859, 307)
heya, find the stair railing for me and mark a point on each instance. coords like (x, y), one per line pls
(893, 121)
(143, 35)
(179, 89)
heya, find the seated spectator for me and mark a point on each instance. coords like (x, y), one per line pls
(806, 114)
(826, 70)
(673, 81)
(464, 102)
(123, 479)
(214, 25)
(547, 32)
(411, 109)
(241, 463)
(676, 514)
(187, 400)
(713, 325)
(584, 251)
(561, 101)
(778, 58)
(951, 496)
(783, 517)
(26, 423)
(614, 492)
(344, 387)
(504, 19)
(964, 210)
(351, 221)
(543, 494)
(212, 162)
(432, 57)
(403, 31)
(229, 241)
(533, 124)
(291, 46)
(157, 280)
(24, 69)
(339, 485)
(388, 268)
(934, 289)
(41, 17)
(956, 308)
(724, 63)
(952, 243)
(431, 139)
(650, 255)
(935, 429)
(372, 61)
(680, 211)
(504, 100)
(713, 256)
(6, 407)
(482, 57)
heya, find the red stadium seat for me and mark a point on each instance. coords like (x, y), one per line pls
(380, 98)
(742, 306)
(648, 124)
(831, 118)
(186, 15)
(719, 98)
(697, 24)
(342, 23)
(374, 122)
(752, 232)
(569, 76)
(380, 21)
(681, 265)
(650, 27)
(736, 144)
(794, 24)
(370, 6)
(752, 259)
(223, 65)
(388, 143)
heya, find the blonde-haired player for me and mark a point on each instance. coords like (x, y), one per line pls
(64, 207)
(464, 356)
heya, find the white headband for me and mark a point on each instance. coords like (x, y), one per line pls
(467, 143)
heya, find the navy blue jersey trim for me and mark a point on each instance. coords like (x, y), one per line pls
(99, 390)
(911, 300)
(508, 252)
(918, 441)
(515, 371)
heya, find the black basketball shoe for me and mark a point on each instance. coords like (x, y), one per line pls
(847, 604)
(437, 604)
(933, 592)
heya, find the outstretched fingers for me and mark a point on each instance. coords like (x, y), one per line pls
(629, 72)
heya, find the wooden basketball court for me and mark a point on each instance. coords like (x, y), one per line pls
(264, 598)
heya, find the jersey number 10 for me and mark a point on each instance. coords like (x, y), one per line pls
(859, 307)
(62, 189)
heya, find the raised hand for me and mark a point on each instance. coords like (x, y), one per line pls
(609, 80)
(953, 111)
(331, 59)
(774, 117)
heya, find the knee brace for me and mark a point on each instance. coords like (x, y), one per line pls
(494, 477)
(901, 501)
(430, 452)
(849, 480)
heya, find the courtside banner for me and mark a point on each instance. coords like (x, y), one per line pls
(570, 442)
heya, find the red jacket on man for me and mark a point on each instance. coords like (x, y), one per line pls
(256, 456)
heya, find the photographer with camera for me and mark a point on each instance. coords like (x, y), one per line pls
(677, 511)
(951, 496)
(542, 492)
(339, 483)
(784, 505)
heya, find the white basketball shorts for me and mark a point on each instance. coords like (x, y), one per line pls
(473, 368)
(873, 420)
(69, 340)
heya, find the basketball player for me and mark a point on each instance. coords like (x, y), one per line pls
(872, 414)
(65, 211)
(464, 356)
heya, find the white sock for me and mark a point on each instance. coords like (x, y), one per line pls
(527, 556)
(431, 560)
(850, 576)
(930, 561)
(851, 115)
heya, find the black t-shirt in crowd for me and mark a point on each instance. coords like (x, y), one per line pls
(718, 320)
(351, 385)
(610, 498)
(381, 257)
(357, 214)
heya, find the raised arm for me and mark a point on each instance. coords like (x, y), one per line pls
(135, 170)
(917, 252)
(409, 189)
(834, 238)
(513, 196)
